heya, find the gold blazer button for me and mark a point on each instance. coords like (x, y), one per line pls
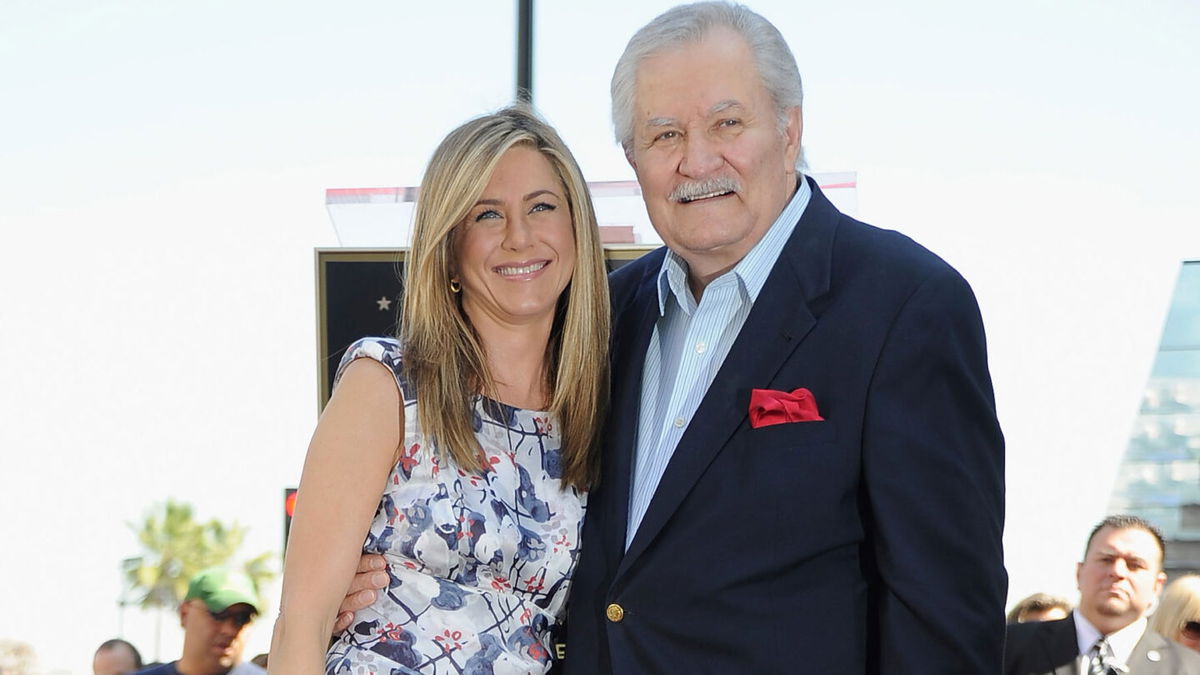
(615, 612)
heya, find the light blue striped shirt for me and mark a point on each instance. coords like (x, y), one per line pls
(688, 346)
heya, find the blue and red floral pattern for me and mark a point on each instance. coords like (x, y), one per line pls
(479, 562)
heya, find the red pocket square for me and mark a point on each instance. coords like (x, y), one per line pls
(768, 407)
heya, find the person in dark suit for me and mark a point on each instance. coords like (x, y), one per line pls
(803, 470)
(1119, 581)
(802, 467)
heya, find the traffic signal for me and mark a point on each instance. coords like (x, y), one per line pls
(289, 507)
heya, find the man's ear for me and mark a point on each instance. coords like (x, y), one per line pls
(629, 158)
(183, 611)
(792, 135)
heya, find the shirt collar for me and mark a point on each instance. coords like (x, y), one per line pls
(1122, 642)
(753, 269)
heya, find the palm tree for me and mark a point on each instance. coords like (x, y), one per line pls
(176, 547)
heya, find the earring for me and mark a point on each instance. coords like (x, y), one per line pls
(455, 287)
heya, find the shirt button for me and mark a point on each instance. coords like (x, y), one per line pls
(678, 422)
(615, 613)
(700, 347)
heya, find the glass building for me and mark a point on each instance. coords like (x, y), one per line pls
(1159, 478)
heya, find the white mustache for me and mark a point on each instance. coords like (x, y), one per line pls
(686, 192)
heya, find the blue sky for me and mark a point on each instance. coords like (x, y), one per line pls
(162, 174)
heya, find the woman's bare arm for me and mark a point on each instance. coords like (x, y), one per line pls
(349, 458)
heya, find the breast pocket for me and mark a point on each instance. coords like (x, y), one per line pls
(781, 454)
(790, 433)
(797, 462)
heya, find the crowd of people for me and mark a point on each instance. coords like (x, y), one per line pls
(220, 604)
(782, 409)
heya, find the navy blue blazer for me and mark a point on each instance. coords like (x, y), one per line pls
(866, 543)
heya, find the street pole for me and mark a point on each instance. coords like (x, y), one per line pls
(525, 51)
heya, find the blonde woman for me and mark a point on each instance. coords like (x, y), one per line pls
(1178, 614)
(461, 452)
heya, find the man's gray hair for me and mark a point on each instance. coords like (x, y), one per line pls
(686, 24)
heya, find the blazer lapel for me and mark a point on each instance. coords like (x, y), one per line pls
(778, 322)
(633, 327)
(1060, 649)
(1149, 654)
(1063, 647)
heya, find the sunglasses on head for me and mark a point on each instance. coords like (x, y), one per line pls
(239, 617)
(1191, 630)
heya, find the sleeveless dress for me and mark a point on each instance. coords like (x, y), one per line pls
(479, 563)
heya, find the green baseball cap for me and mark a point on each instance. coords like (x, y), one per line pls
(221, 587)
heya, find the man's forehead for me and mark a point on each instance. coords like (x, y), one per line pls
(1128, 541)
(722, 106)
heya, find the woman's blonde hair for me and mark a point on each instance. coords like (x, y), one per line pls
(1180, 603)
(444, 360)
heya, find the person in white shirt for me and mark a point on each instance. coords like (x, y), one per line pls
(1119, 580)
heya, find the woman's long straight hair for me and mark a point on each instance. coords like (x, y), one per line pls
(444, 359)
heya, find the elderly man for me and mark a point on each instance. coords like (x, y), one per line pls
(803, 471)
(1119, 580)
(219, 605)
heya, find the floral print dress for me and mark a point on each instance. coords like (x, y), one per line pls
(479, 563)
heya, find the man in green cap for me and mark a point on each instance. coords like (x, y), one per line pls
(220, 603)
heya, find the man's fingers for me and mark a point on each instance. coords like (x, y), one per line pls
(367, 581)
(370, 578)
(355, 601)
(351, 604)
(343, 622)
(370, 562)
